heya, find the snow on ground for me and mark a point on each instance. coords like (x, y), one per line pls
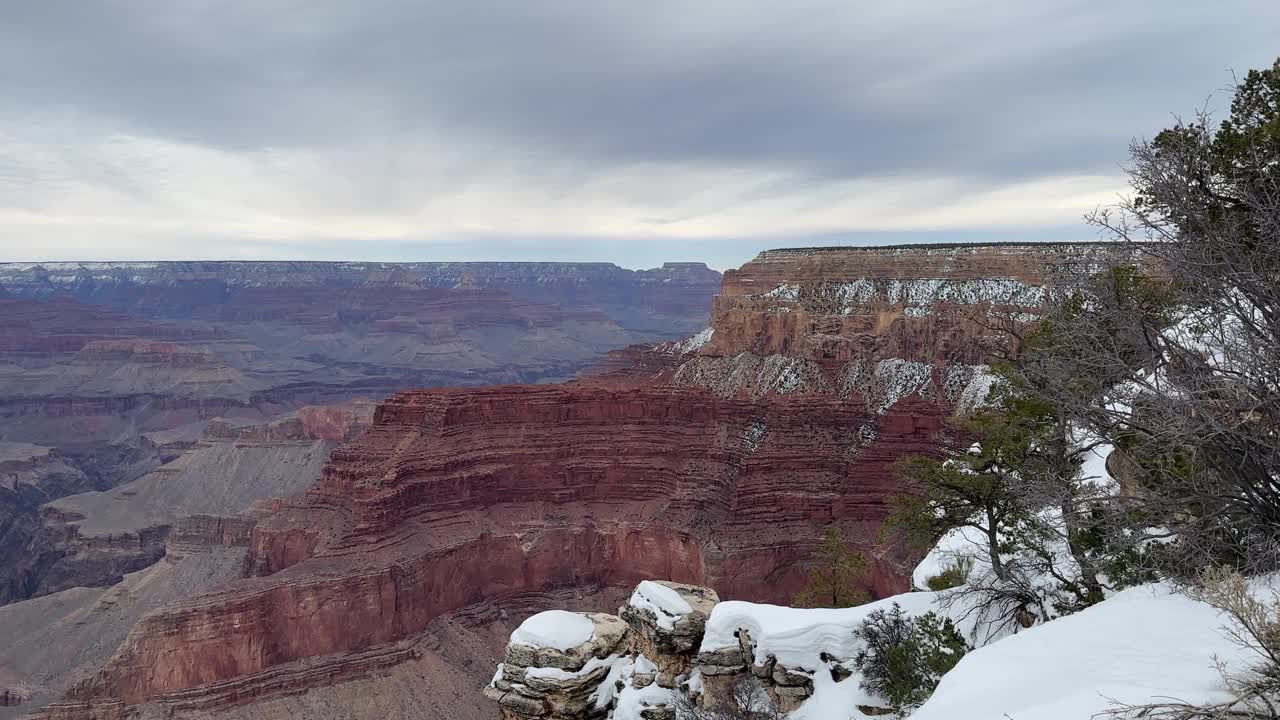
(620, 671)
(629, 700)
(556, 629)
(835, 700)
(633, 700)
(1143, 644)
(665, 603)
(797, 637)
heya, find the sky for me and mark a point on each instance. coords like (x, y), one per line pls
(592, 130)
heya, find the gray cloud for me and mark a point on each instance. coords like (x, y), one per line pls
(802, 94)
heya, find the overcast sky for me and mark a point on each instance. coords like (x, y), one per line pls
(632, 132)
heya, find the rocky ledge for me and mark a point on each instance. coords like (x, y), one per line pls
(668, 647)
(579, 666)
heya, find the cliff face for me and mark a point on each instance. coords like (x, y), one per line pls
(717, 460)
(833, 306)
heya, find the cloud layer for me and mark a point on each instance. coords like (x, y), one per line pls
(631, 132)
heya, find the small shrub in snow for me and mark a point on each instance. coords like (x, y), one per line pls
(903, 657)
(953, 575)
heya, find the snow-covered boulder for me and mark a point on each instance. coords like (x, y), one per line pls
(555, 664)
(582, 666)
(564, 640)
(667, 621)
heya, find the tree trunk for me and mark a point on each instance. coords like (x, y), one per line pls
(993, 546)
(1088, 570)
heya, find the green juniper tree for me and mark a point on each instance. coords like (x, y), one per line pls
(836, 573)
(977, 488)
(903, 657)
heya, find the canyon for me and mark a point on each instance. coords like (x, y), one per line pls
(716, 460)
(109, 371)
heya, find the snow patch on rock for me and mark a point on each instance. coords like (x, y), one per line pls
(693, 343)
(632, 701)
(754, 435)
(665, 603)
(556, 629)
(753, 374)
(896, 379)
(799, 637)
(918, 295)
(968, 386)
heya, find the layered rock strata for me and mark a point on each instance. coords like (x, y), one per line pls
(94, 538)
(32, 474)
(670, 300)
(456, 496)
(54, 641)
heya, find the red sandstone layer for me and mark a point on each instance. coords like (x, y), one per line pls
(458, 496)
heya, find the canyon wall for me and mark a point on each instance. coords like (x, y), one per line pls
(94, 538)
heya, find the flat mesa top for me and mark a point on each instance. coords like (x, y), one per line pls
(946, 246)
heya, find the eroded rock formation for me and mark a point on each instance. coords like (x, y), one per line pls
(94, 538)
(625, 665)
(670, 647)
